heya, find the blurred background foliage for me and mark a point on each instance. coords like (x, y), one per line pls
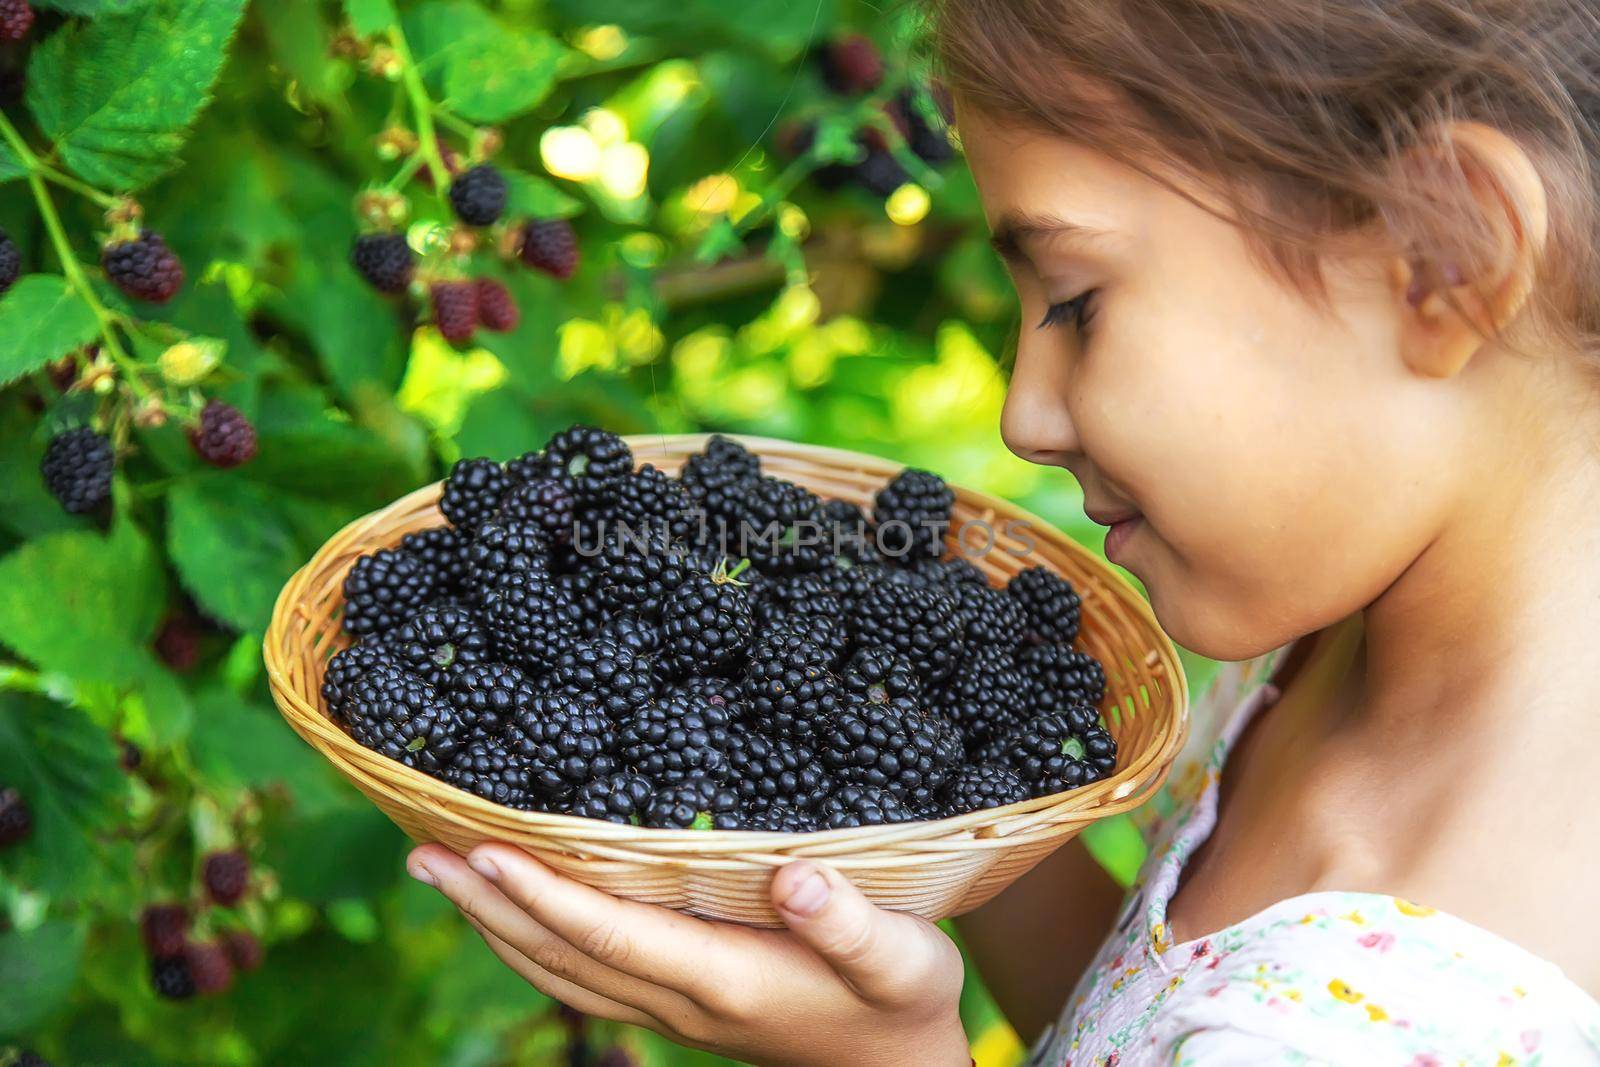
(743, 267)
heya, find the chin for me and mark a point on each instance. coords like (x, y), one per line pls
(1206, 628)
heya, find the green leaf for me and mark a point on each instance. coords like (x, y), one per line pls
(532, 195)
(488, 71)
(38, 969)
(91, 7)
(117, 95)
(42, 318)
(240, 744)
(368, 17)
(10, 166)
(231, 546)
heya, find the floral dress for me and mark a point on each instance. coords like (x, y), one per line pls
(1358, 979)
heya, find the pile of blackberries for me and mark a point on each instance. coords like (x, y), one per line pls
(723, 649)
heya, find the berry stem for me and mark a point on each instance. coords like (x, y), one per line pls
(407, 169)
(71, 184)
(421, 108)
(456, 123)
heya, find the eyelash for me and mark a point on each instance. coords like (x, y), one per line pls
(1075, 310)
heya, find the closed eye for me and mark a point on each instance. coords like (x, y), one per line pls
(1076, 311)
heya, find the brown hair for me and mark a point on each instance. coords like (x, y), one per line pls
(1299, 113)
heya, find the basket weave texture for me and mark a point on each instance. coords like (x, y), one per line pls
(934, 869)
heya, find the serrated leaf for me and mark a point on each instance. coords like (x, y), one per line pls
(92, 7)
(37, 969)
(368, 17)
(42, 318)
(487, 71)
(117, 95)
(538, 197)
(240, 744)
(232, 549)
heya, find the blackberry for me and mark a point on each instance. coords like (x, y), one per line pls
(144, 268)
(226, 876)
(988, 696)
(164, 929)
(589, 527)
(243, 949)
(383, 590)
(707, 623)
(717, 478)
(583, 588)
(170, 977)
(983, 785)
(1050, 603)
(646, 498)
(633, 633)
(455, 310)
(790, 690)
(567, 739)
(442, 550)
(497, 308)
(209, 967)
(530, 617)
(1058, 750)
(849, 533)
(596, 460)
(640, 570)
(951, 573)
(551, 246)
(16, 818)
(779, 528)
(694, 804)
(779, 818)
(10, 262)
(478, 196)
(398, 715)
(766, 770)
(721, 692)
(893, 745)
(16, 19)
(547, 503)
(988, 616)
(384, 260)
(500, 548)
(930, 142)
(490, 696)
(675, 737)
(852, 65)
(810, 594)
(77, 470)
(223, 437)
(1060, 676)
(437, 643)
(879, 172)
(487, 768)
(472, 493)
(349, 665)
(827, 637)
(881, 675)
(619, 797)
(912, 514)
(918, 622)
(862, 805)
(608, 671)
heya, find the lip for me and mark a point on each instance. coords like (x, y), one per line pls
(1117, 537)
(1109, 518)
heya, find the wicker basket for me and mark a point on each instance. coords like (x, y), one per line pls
(934, 869)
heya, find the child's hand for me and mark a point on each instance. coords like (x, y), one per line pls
(846, 983)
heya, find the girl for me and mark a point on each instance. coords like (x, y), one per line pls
(1309, 294)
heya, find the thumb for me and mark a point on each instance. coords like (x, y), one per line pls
(887, 957)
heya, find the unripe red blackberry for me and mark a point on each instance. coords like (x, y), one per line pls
(497, 308)
(209, 967)
(77, 469)
(178, 642)
(550, 245)
(10, 259)
(478, 196)
(227, 876)
(455, 310)
(165, 929)
(144, 268)
(16, 820)
(243, 949)
(852, 65)
(223, 437)
(16, 19)
(384, 260)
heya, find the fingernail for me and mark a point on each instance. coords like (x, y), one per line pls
(423, 875)
(809, 896)
(484, 866)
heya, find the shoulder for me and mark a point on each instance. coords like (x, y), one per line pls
(1360, 978)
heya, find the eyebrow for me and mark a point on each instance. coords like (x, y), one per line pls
(1016, 228)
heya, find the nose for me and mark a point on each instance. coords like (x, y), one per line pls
(1036, 423)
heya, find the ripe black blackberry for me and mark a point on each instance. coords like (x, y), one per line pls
(608, 671)
(950, 573)
(478, 196)
(881, 675)
(548, 503)
(438, 642)
(223, 437)
(637, 635)
(850, 535)
(918, 622)
(398, 715)
(226, 875)
(987, 696)
(144, 268)
(16, 818)
(1061, 676)
(504, 547)
(490, 696)
(347, 666)
(852, 64)
(10, 262)
(530, 618)
(778, 526)
(583, 588)
(912, 515)
(1051, 605)
(789, 688)
(778, 817)
(811, 594)
(893, 745)
(442, 549)
(707, 624)
(929, 141)
(879, 172)
(455, 310)
(675, 737)
(170, 977)
(551, 246)
(694, 804)
(982, 785)
(164, 929)
(384, 260)
(497, 308)
(862, 805)
(472, 492)
(487, 767)
(647, 498)
(595, 460)
(717, 479)
(77, 470)
(619, 797)
(385, 589)
(766, 770)
(566, 739)
(1057, 750)
(988, 616)
(640, 570)
(722, 692)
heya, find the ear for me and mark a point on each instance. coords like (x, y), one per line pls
(1450, 310)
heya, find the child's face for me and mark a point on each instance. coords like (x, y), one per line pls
(1284, 464)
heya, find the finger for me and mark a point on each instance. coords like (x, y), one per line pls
(573, 996)
(885, 956)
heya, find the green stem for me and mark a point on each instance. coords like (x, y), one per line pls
(421, 108)
(460, 125)
(71, 184)
(412, 164)
(784, 184)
